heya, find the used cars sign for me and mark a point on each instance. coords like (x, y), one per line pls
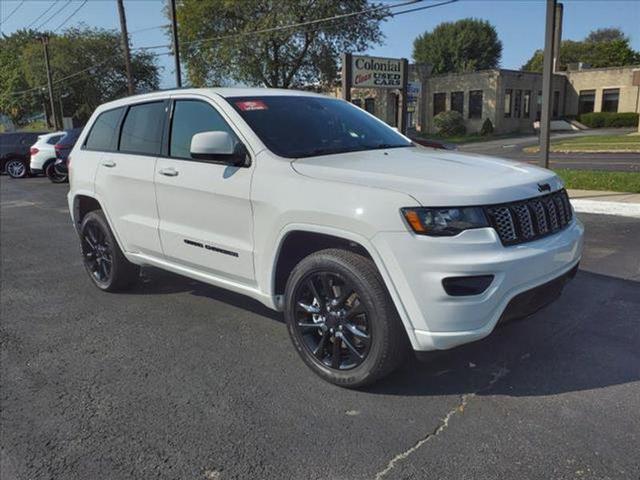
(376, 72)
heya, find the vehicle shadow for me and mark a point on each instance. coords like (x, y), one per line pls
(155, 281)
(588, 339)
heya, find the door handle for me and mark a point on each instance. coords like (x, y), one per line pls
(109, 163)
(168, 172)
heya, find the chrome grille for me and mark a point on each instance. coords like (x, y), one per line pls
(530, 219)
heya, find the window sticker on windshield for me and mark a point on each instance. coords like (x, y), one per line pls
(251, 105)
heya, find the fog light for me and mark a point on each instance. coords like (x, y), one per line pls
(463, 286)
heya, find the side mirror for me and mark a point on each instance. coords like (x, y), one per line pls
(218, 147)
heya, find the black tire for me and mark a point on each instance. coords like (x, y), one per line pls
(17, 168)
(54, 175)
(371, 344)
(105, 263)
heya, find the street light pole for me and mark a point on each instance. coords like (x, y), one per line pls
(547, 83)
(45, 45)
(125, 47)
(176, 47)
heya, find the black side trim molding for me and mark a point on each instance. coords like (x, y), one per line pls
(211, 248)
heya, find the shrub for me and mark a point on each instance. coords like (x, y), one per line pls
(487, 128)
(449, 123)
(609, 119)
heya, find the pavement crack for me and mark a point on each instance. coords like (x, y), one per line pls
(443, 425)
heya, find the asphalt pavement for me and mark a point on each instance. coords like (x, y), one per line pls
(513, 148)
(177, 379)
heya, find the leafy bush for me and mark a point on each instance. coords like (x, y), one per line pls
(449, 123)
(609, 119)
(487, 128)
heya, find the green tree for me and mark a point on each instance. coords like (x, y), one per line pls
(467, 45)
(87, 67)
(605, 47)
(283, 58)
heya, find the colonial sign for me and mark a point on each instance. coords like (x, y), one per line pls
(376, 72)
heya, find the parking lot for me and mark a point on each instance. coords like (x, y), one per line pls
(178, 379)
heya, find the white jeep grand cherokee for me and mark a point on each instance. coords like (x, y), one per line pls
(367, 242)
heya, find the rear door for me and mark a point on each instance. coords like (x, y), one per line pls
(125, 176)
(205, 211)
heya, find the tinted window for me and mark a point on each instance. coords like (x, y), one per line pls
(457, 102)
(142, 129)
(610, 97)
(304, 126)
(191, 117)
(586, 101)
(439, 103)
(53, 140)
(475, 104)
(104, 132)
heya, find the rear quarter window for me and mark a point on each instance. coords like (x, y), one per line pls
(104, 132)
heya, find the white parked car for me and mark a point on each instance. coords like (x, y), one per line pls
(369, 244)
(43, 154)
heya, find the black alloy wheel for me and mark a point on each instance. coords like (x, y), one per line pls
(332, 321)
(341, 319)
(97, 253)
(105, 263)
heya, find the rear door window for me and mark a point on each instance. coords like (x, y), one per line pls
(142, 129)
(104, 132)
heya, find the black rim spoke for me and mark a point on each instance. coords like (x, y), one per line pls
(97, 252)
(331, 320)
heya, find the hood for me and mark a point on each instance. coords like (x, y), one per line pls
(433, 177)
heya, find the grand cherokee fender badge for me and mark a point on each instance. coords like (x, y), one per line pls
(544, 187)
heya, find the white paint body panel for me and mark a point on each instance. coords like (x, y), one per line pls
(46, 151)
(356, 196)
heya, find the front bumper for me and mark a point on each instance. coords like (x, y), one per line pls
(417, 265)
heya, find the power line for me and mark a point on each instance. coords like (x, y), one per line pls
(53, 4)
(149, 28)
(56, 13)
(289, 26)
(72, 14)
(14, 10)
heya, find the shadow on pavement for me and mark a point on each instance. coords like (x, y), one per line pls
(588, 339)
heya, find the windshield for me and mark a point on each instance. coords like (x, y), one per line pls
(301, 126)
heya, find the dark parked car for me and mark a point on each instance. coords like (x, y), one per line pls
(14, 152)
(60, 173)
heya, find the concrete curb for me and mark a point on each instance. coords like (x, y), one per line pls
(606, 208)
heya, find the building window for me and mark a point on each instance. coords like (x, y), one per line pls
(439, 103)
(475, 104)
(370, 105)
(517, 104)
(357, 102)
(539, 105)
(526, 111)
(457, 102)
(508, 94)
(556, 103)
(586, 101)
(610, 97)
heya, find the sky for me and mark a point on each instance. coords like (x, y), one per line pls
(520, 24)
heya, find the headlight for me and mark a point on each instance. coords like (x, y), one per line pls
(444, 222)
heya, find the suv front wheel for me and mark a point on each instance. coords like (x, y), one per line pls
(341, 319)
(104, 261)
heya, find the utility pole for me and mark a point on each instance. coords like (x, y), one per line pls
(176, 47)
(346, 76)
(125, 46)
(45, 45)
(547, 83)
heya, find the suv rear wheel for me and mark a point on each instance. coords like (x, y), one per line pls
(341, 319)
(104, 261)
(16, 168)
